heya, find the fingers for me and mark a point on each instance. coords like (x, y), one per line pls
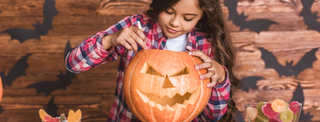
(132, 42)
(212, 75)
(207, 64)
(129, 37)
(199, 54)
(139, 37)
(207, 75)
(125, 44)
(212, 84)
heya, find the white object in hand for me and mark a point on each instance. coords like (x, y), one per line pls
(139, 25)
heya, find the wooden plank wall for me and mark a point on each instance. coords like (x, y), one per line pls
(289, 40)
(93, 91)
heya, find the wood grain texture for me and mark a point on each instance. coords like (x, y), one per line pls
(93, 91)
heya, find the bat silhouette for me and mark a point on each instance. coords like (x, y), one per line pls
(18, 69)
(299, 96)
(309, 18)
(1, 110)
(49, 11)
(49, 86)
(67, 49)
(52, 108)
(249, 82)
(256, 25)
(288, 70)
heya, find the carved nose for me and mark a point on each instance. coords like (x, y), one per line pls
(167, 83)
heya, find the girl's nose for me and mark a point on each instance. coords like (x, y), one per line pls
(175, 21)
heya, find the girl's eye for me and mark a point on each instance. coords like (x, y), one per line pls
(187, 19)
(168, 12)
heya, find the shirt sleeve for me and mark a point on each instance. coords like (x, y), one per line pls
(218, 102)
(90, 53)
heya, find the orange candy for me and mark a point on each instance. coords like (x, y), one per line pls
(278, 105)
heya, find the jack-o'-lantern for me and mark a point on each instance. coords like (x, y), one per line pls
(162, 85)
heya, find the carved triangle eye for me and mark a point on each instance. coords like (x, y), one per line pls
(152, 71)
(184, 71)
(147, 69)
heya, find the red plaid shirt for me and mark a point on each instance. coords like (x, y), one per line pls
(90, 54)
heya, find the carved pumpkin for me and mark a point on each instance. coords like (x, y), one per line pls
(162, 85)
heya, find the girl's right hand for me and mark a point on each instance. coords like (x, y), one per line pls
(127, 37)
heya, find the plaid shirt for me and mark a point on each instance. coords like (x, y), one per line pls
(90, 54)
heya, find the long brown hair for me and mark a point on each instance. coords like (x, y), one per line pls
(213, 23)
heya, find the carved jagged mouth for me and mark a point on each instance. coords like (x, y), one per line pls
(172, 103)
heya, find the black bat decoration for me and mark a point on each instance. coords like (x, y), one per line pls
(309, 18)
(49, 11)
(18, 69)
(256, 25)
(52, 108)
(1, 110)
(67, 49)
(49, 86)
(299, 96)
(249, 82)
(288, 70)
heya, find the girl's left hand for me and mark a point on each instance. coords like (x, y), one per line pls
(215, 71)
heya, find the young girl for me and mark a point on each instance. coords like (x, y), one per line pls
(194, 26)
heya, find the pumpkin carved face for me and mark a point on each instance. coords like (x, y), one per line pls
(163, 85)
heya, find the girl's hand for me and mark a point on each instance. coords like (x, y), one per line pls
(127, 37)
(215, 71)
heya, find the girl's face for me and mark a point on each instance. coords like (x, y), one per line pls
(180, 18)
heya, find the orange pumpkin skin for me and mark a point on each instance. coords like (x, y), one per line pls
(157, 82)
(1, 89)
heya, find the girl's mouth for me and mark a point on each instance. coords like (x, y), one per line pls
(171, 30)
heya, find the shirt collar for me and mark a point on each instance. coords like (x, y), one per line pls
(161, 39)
